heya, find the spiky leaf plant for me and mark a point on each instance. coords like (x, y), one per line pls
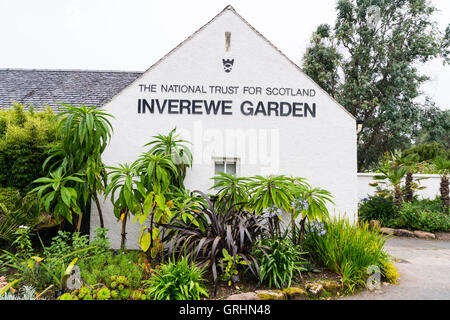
(203, 237)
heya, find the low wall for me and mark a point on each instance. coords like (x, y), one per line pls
(431, 184)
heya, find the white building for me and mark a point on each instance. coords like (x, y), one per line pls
(241, 102)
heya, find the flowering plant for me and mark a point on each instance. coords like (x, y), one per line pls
(272, 211)
(317, 227)
(299, 205)
(3, 282)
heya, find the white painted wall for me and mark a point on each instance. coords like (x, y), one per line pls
(322, 149)
(431, 184)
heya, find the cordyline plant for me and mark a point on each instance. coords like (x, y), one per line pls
(203, 237)
(85, 132)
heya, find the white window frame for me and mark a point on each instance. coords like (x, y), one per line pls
(225, 160)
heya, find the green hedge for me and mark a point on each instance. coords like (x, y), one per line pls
(9, 197)
(425, 215)
(25, 137)
(428, 151)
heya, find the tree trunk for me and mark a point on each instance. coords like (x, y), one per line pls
(80, 217)
(61, 225)
(278, 226)
(293, 227)
(398, 198)
(408, 187)
(302, 230)
(124, 234)
(445, 191)
(99, 209)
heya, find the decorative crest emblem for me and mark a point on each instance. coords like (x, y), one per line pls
(228, 64)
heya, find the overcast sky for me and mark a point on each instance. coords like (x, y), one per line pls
(133, 34)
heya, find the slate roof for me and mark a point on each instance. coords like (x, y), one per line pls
(49, 87)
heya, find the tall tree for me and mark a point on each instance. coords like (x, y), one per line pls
(376, 47)
(322, 60)
(435, 126)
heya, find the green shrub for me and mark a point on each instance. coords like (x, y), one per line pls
(67, 242)
(425, 215)
(346, 249)
(102, 292)
(377, 208)
(430, 205)
(41, 269)
(25, 138)
(428, 151)
(279, 260)
(177, 281)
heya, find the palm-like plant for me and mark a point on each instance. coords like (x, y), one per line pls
(158, 172)
(157, 176)
(231, 190)
(409, 162)
(443, 167)
(271, 194)
(124, 179)
(270, 191)
(392, 177)
(85, 132)
(310, 203)
(176, 149)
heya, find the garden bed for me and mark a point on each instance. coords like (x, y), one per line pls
(237, 231)
(249, 284)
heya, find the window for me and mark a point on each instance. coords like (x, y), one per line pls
(225, 165)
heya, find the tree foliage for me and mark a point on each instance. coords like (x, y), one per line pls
(371, 69)
(427, 151)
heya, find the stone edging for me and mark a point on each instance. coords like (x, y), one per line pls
(375, 224)
(319, 289)
(416, 234)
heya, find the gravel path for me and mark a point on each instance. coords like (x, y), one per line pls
(424, 267)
